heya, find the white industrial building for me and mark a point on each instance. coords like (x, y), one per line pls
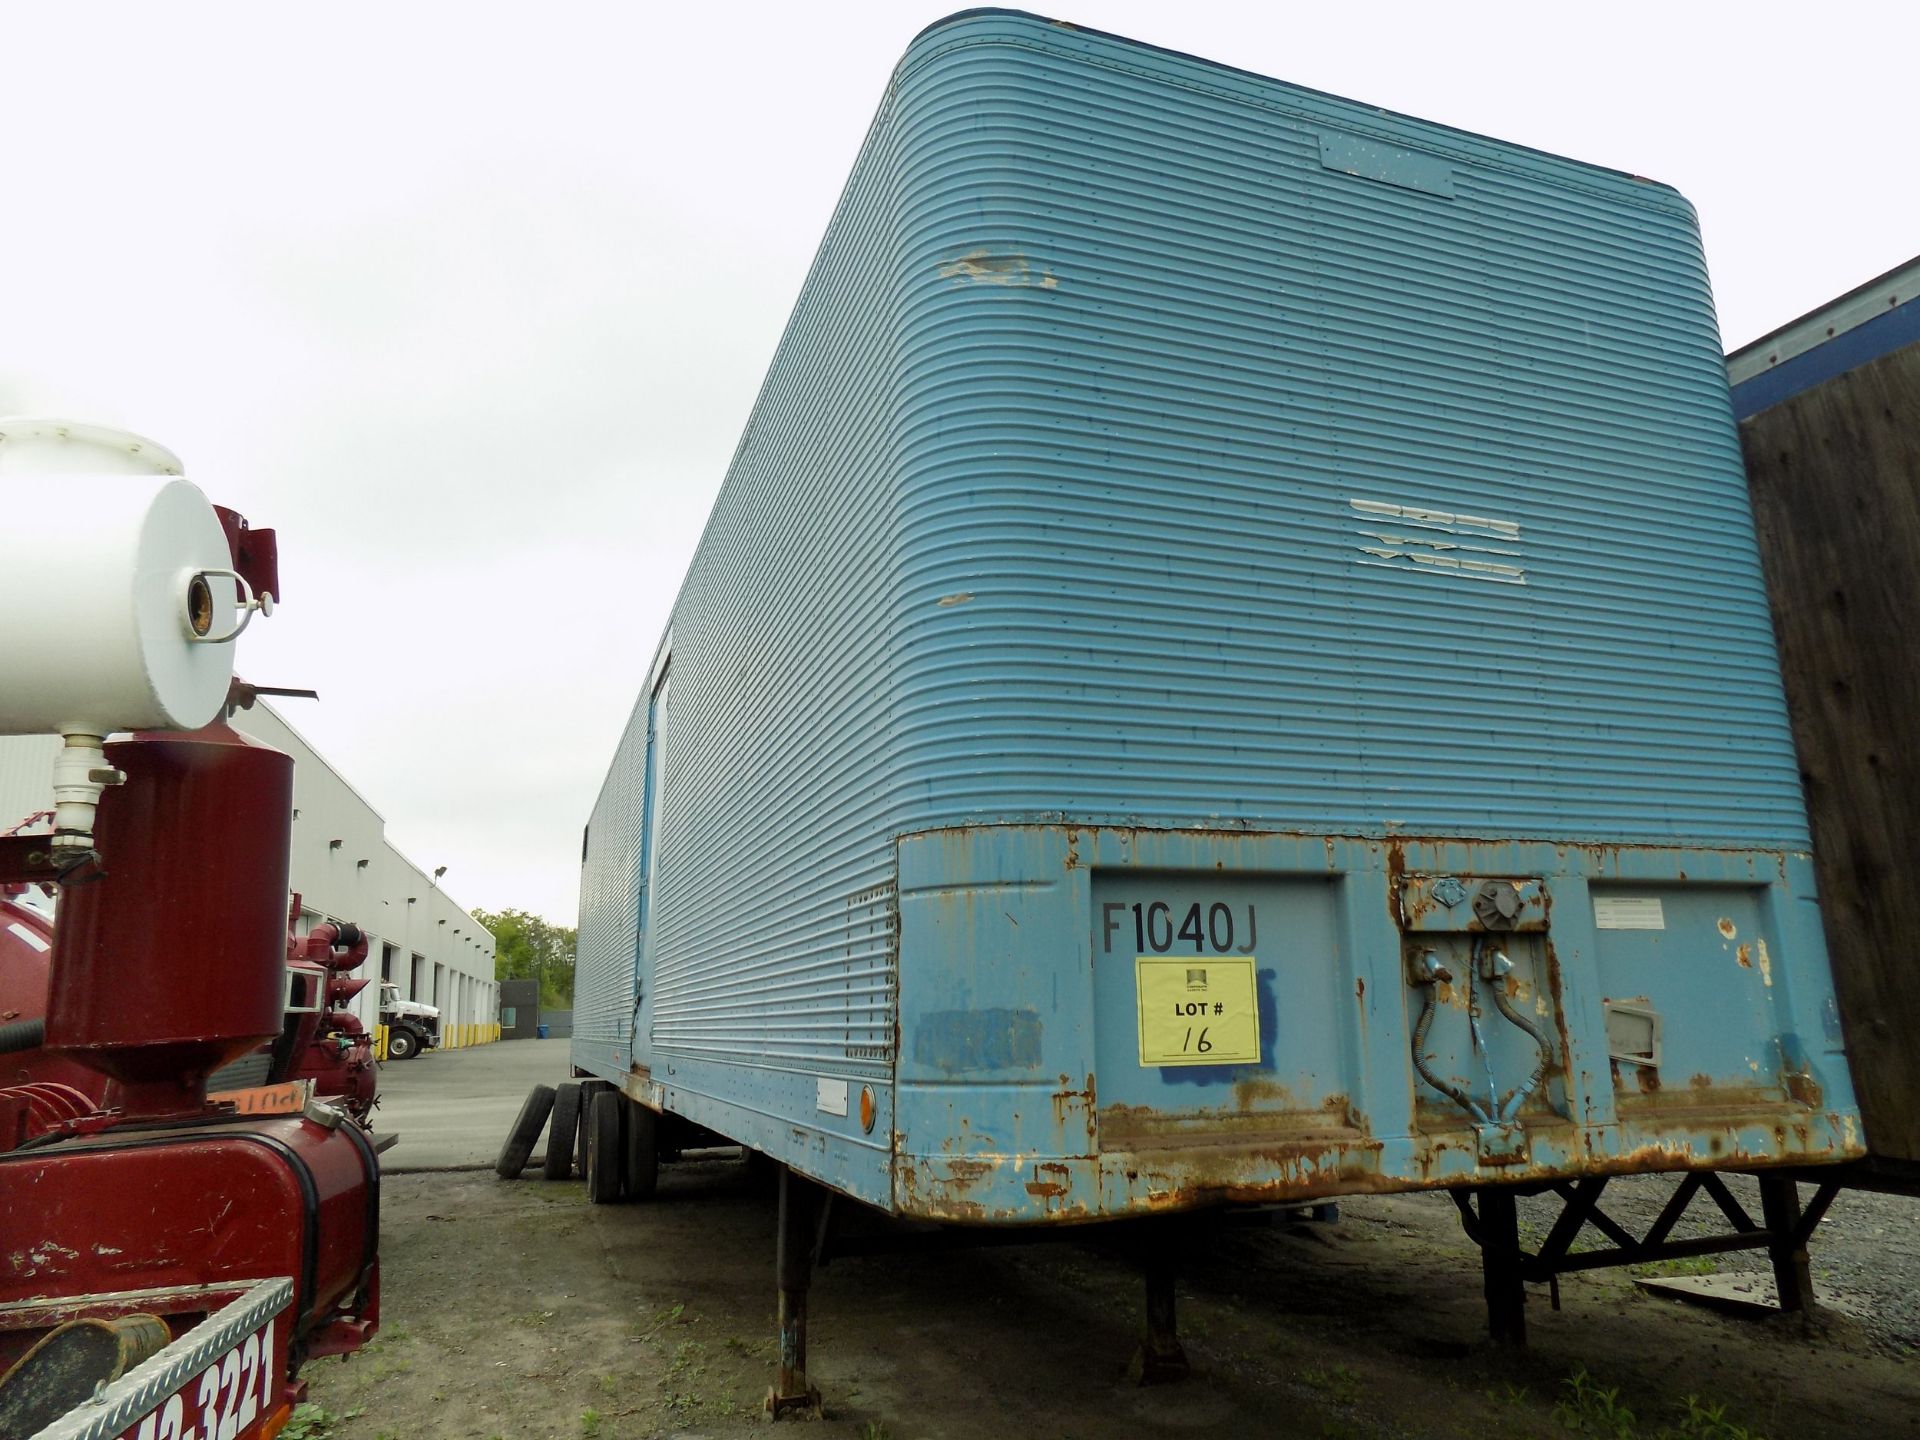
(344, 869)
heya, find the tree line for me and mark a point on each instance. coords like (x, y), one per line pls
(529, 948)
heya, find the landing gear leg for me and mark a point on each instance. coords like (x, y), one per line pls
(793, 1266)
(1501, 1277)
(1159, 1357)
(1780, 1212)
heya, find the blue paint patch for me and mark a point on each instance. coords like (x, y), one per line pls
(962, 1042)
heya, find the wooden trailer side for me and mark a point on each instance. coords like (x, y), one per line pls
(1835, 478)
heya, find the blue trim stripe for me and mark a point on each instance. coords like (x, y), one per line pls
(1882, 335)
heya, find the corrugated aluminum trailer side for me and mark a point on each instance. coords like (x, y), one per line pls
(1829, 411)
(1231, 664)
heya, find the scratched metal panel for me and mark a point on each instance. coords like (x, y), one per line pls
(603, 989)
(1273, 460)
(771, 930)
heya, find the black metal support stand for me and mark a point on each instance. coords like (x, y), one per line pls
(1780, 1213)
(1783, 1232)
(1160, 1357)
(1503, 1277)
(793, 1267)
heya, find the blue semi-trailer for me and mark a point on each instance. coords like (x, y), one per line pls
(1230, 665)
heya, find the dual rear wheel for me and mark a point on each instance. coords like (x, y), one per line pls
(623, 1149)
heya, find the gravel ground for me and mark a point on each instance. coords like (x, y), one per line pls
(1865, 1255)
(518, 1310)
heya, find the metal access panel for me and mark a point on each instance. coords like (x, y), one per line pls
(1182, 490)
(1097, 1065)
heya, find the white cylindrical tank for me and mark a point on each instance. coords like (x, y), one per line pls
(115, 585)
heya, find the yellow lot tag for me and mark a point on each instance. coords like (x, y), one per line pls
(1200, 1010)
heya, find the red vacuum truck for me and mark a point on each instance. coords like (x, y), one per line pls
(170, 1260)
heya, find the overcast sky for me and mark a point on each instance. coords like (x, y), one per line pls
(471, 302)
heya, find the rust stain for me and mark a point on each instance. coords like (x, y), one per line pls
(1360, 989)
(1802, 1088)
(1727, 930)
(1067, 1100)
(1550, 959)
(1050, 1182)
(1251, 1092)
(1745, 956)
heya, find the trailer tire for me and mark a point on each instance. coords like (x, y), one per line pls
(642, 1151)
(564, 1133)
(588, 1089)
(604, 1143)
(525, 1133)
(402, 1043)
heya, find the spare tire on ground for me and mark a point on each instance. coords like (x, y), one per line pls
(562, 1134)
(525, 1133)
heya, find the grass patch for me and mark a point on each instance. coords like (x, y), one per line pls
(313, 1422)
(1686, 1265)
(1336, 1382)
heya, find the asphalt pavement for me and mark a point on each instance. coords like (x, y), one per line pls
(451, 1109)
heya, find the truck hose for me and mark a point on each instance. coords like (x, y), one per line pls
(18, 1035)
(1453, 1093)
(1508, 1108)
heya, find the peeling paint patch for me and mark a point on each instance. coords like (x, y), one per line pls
(1440, 542)
(1766, 963)
(980, 267)
(958, 598)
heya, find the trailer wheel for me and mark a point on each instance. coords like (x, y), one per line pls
(526, 1131)
(564, 1133)
(402, 1043)
(588, 1089)
(642, 1151)
(603, 1148)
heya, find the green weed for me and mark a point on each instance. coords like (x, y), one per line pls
(1337, 1383)
(1706, 1422)
(313, 1422)
(1590, 1408)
